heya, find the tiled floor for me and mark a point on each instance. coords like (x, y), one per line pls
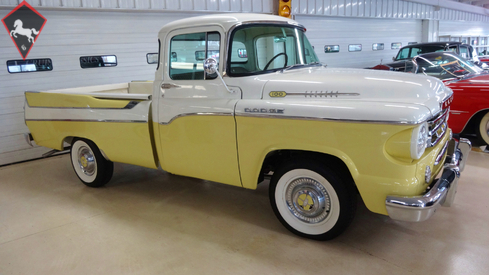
(149, 222)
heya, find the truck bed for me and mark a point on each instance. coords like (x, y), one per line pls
(116, 117)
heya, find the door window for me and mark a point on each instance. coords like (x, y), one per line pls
(189, 52)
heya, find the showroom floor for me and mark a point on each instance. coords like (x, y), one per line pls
(150, 222)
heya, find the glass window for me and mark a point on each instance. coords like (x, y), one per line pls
(403, 54)
(98, 61)
(331, 48)
(152, 58)
(378, 47)
(188, 52)
(29, 65)
(464, 52)
(445, 66)
(268, 48)
(396, 45)
(355, 47)
(410, 52)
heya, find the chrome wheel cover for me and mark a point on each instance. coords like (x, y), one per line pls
(487, 128)
(86, 160)
(308, 200)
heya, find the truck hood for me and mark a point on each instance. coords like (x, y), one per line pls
(366, 94)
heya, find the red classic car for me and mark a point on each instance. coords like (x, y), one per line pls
(469, 111)
(484, 59)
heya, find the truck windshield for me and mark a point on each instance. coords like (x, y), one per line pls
(258, 49)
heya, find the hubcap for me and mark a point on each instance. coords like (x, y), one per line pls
(86, 160)
(487, 128)
(308, 200)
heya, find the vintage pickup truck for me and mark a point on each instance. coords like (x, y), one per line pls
(240, 98)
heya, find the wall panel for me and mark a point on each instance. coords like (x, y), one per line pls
(323, 31)
(66, 36)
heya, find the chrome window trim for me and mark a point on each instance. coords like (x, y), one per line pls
(195, 114)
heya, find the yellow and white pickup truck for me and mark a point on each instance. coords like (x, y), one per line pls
(238, 98)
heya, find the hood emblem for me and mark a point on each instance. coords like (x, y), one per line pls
(311, 94)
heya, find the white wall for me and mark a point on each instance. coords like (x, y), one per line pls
(323, 31)
(464, 28)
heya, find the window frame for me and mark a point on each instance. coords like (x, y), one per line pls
(190, 31)
(26, 60)
(101, 57)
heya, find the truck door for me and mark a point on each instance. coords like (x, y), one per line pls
(196, 125)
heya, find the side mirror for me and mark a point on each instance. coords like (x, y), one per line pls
(210, 65)
(393, 58)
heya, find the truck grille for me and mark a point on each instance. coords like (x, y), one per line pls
(437, 128)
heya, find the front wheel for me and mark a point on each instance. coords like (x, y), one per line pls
(312, 201)
(89, 164)
(483, 130)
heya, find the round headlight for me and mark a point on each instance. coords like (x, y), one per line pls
(418, 140)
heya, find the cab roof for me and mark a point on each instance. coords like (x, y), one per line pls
(226, 21)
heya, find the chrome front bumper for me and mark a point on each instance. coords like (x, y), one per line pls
(421, 208)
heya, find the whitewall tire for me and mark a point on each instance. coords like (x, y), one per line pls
(483, 129)
(312, 201)
(89, 164)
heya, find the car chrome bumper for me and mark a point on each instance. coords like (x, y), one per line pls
(421, 208)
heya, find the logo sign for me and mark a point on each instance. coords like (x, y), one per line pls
(24, 24)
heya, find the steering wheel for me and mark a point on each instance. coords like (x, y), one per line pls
(273, 58)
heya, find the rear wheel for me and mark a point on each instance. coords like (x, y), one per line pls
(312, 201)
(483, 130)
(89, 164)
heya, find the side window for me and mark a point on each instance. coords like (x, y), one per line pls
(97, 61)
(188, 52)
(403, 54)
(464, 52)
(415, 52)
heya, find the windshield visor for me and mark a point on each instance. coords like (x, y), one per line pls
(257, 49)
(444, 65)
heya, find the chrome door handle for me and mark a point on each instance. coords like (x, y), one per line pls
(167, 86)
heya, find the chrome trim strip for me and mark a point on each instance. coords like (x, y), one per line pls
(331, 119)
(92, 120)
(195, 114)
(441, 154)
(439, 121)
(131, 104)
(325, 94)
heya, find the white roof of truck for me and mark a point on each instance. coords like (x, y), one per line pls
(226, 21)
